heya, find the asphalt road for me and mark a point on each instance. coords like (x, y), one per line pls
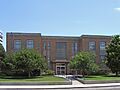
(100, 88)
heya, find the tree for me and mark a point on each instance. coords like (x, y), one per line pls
(40, 62)
(113, 54)
(83, 61)
(24, 60)
(2, 52)
(28, 60)
(2, 55)
(8, 63)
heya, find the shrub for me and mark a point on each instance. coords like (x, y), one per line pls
(49, 72)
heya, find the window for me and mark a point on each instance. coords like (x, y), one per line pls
(49, 44)
(60, 50)
(102, 57)
(30, 43)
(74, 48)
(48, 53)
(102, 48)
(92, 46)
(17, 44)
(102, 45)
(44, 45)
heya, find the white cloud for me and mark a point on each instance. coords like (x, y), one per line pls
(117, 9)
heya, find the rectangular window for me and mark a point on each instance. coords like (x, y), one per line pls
(102, 57)
(60, 50)
(102, 48)
(74, 48)
(48, 51)
(49, 44)
(102, 45)
(17, 44)
(44, 45)
(30, 44)
(92, 46)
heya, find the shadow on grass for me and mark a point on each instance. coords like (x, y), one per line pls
(97, 76)
(20, 77)
(111, 76)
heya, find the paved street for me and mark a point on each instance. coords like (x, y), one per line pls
(100, 88)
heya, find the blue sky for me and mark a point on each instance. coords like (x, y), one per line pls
(60, 17)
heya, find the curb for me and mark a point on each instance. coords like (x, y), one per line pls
(63, 86)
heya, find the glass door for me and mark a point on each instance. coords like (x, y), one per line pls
(60, 69)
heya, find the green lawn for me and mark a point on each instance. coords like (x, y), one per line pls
(102, 77)
(26, 79)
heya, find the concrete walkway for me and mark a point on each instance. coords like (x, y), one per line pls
(63, 86)
(70, 77)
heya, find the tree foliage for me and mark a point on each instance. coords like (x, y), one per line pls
(84, 61)
(113, 54)
(24, 60)
(2, 52)
(8, 63)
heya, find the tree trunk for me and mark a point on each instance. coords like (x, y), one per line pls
(116, 73)
(76, 72)
(39, 72)
(83, 73)
(29, 74)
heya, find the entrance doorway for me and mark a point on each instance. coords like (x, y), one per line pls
(60, 69)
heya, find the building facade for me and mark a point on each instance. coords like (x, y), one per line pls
(58, 50)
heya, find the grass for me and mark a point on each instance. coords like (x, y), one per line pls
(33, 79)
(102, 77)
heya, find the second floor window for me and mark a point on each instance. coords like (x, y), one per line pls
(102, 45)
(92, 46)
(17, 44)
(30, 44)
(49, 45)
(102, 48)
(44, 45)
(60, 50)
(74, 48)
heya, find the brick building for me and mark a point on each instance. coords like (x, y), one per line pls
(58, 50)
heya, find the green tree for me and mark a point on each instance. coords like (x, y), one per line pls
(8, 63)
(24, 61)
(113, 54)
(2, 55)
(40, 62)
(2, 52)
(84, 61)
(28, 60)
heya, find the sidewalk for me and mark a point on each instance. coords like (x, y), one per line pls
(63, 86)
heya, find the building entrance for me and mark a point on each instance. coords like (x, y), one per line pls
(60, 69)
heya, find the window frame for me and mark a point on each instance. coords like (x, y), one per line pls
(30, 45)
(17, 45)
(94, 49)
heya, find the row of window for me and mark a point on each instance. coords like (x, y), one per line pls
(102, 45)
(92, 45)
(61, 47)
(30, 44)
(18, 43)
